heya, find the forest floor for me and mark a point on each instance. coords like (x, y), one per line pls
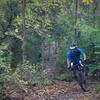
(60, 90)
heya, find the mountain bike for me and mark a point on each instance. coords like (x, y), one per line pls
(80, 76)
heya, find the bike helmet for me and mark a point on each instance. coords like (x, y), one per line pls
(72, 46)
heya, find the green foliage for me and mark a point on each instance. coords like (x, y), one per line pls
(45, 22)
(30, 74)
(67, 76)
(9, 10)
(33, 47)
(5, 60)
(5, 55)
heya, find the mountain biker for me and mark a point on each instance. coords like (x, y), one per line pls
(73, 55)
(73, 59)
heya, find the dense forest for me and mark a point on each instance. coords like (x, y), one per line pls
(34, 37)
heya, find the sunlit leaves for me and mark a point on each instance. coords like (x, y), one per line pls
(87, 1)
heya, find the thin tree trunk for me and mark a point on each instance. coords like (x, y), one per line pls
(23, 28)
(76, 17)
(94, 11)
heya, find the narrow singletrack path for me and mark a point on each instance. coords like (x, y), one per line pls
(60, 90)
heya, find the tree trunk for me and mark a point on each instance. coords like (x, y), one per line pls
(23, 28)
(49, 58)
(97, 13)
(76, 17)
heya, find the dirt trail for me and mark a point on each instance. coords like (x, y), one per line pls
(58, 91)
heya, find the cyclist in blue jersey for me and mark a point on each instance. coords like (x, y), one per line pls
(73, 55)
(75, 64)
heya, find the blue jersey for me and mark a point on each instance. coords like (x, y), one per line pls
(74, 56)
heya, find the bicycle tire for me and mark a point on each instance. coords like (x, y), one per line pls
(82, 80)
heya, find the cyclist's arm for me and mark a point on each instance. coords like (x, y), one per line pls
(84, 56)
(82, 53)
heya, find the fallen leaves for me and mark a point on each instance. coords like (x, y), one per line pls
(57, 91)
